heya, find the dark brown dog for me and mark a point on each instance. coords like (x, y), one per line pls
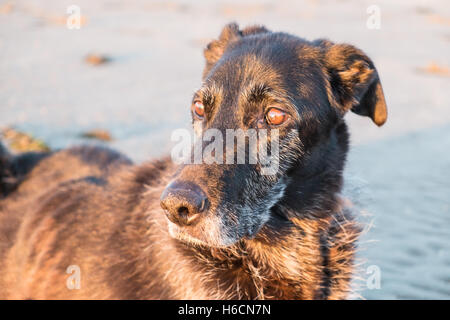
(235, 233)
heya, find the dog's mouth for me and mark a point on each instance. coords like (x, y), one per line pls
(214, 225)
(193, 237)
(208, 231)
(213, 232)
(182, 235)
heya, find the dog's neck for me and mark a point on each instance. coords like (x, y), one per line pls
(311, 259)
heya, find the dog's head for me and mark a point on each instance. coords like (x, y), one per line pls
(286, 95)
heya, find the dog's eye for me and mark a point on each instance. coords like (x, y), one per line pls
(199, 109)
(275, 116)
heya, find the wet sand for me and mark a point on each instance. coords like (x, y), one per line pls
(397, 176)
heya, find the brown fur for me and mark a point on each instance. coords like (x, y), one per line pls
(118, 236)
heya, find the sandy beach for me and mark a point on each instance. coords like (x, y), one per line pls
(397, 176)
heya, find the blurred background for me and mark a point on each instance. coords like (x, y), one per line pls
(125, 78)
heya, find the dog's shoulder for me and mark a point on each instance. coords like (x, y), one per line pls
(49, 170)
(67, 208)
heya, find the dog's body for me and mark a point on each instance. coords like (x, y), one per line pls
(106, 219)
(233, 233)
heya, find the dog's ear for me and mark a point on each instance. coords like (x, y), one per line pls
(230, 33)
(355, 84)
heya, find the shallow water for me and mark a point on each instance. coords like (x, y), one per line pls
(397, 175)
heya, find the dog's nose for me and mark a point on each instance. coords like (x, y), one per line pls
(183, 205)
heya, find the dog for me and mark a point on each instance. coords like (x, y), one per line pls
(85, 223)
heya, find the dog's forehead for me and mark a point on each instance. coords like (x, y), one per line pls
(244, 69)
(243, 76)
(248, 94)
(280, 62)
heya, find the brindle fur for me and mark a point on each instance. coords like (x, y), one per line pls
(93, 208)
